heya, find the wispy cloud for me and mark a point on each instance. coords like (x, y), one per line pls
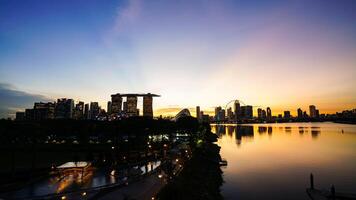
(13, 100)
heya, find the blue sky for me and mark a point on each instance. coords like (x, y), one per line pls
(283, 54)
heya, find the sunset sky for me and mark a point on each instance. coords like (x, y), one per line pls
(283, 54)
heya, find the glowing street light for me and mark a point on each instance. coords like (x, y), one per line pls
(84, 194)
(63, 197)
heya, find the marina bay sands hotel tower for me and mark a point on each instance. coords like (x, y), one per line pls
(129, 107)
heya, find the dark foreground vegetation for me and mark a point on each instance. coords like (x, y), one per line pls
(28, 149)
(201, 177)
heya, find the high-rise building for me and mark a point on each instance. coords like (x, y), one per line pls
(94, 110)
(147, 106)
(217, 111)
(20, 116)
(246, 112)
(237, 110)
(269, 113)
(230, 114)
(116, 103)
(259, 113)
(131, 106)
(263, 114)
(124, 107)
(312, 111)
(79, 110)
(198, 114)
(287, 114)
(29, 114)
(43, 111)
(64, 108)
(221, 115)
(109, 107)
(300, 113)
(86, 111)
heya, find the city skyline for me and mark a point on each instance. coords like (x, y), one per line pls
(281, 54)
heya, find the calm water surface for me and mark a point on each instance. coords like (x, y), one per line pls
(274, 161)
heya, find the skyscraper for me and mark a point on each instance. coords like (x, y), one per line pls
(64, 109)
(269, 113)
(131, 106)
(300, 113)
(217, 111)
(230, 114)
(287, 114)
(43, 111)
(116, 103)
(237, 110)
(246, 112)
(147, 106)
(86, 111)
(312, 111)
(79, 110)
(109, 107)
(94, 110)
(259, 113)
(197, 110)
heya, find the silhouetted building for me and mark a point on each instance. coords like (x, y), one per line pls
(147, 106)
(221, 115)
(42, 111)
(109, 107)
(287, 114)
(79, 110)
(300, 113)
(237, 110)
(259, 113)
(197, 111)
(86, 111)
(263, 114)
(131, 106)
(64, 108)
(116, 103)
(230, 114)
(312, 111)
(29, 114)
(217, 111)
(94, 110)
(246, 112)
(20, 116)
(269, 113)
(317, 113)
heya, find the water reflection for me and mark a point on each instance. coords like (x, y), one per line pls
(286, 160)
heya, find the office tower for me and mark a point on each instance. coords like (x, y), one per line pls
(269, 113)
(317, 113)
(197, 110)
(94, 110)
(312, 111)
(64, 108)
(29, 114)
(131, 105)
(42, 111)
(300, 113)
(287, 114)
(20, 116)
(230, 114)
(147, 106)
(116, 103)
(263, 114)
(246, 112)
(305, 115)
(221, 115)
(109, 107)
(237, 109)
(259, 113)
(79, 110)
(217, 111)
(86, 111)
(124, 107)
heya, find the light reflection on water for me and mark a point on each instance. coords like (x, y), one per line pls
(96, 178)
(273, 161)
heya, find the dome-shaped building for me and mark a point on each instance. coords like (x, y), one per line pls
(183, 113)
